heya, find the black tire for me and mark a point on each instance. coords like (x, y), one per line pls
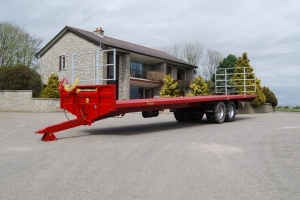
(210, 117)
(230, 111)
(219, 113)
(180, 116)
(198, 117)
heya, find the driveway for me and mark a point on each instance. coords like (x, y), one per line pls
(255, 157)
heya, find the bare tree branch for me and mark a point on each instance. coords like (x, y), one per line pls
(209, 65)
(192, 53)
(174, 50)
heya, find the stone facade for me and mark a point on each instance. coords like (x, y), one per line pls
(67, 45)
(160, 67)
(189, 74)
(22, 101)
(174, 72)
(124, 76)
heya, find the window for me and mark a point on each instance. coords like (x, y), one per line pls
(169, 70)
(140, 93)
(136, 92)
(180, 74)
(62, 62)
(110, 67)
(138, 70)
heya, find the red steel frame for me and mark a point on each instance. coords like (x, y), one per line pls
(90, 103)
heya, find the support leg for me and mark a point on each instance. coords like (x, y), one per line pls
(50, 130)
(48, 137)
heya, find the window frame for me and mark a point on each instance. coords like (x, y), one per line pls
(62, 62)
(182, 74)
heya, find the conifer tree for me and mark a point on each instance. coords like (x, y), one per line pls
(260, 98)
(270, 96)
(229, 64)
(245, 83)
(51, 90)
(199, 87)
(170, 87)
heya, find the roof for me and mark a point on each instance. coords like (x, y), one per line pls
(115, 43)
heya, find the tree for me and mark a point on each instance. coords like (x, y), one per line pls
(260, 98)
(227, 64)
(170, 87)
(199, 87)
(270, 96)
(174, 50)
(209, 65)
(244, 78)
(51, 90)
(17, 46)
(20, 77)
(191, 53)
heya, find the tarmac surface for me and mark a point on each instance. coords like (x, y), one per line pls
(255, 157)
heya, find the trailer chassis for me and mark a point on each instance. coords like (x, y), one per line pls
(91, 103)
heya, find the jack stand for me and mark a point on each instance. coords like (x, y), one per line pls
(48, 137)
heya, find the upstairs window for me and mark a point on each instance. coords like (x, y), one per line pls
(62, 62)
(137, 70)
(180, 74)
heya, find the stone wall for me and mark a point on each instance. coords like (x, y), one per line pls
(161, 67)
(22, 101)
(247, 109)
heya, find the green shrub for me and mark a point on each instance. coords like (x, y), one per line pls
(51, 90)
(170, 87)
(260, 98)
(199, 87)
(270, 96)
(20, 77)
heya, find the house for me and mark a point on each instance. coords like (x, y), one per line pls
(90, 56)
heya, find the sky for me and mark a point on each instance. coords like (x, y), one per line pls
(268, 30)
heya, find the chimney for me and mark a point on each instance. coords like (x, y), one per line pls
(99, 31)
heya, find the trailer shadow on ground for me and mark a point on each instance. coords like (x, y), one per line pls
(150, 127)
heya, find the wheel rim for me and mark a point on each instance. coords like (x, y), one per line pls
(230, 111)
(221, 112)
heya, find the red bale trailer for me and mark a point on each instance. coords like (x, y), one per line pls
(91, 103)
